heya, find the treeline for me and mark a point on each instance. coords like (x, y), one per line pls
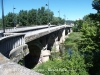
(40, 16)
(89, 45)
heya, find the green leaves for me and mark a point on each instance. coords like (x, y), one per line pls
(0, 23)
(77, 25)
(40, 16)
(67, 65)
(90, 43)
(96, 5)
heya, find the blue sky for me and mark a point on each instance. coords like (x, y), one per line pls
(73, 9)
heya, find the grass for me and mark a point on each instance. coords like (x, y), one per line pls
(73, 38)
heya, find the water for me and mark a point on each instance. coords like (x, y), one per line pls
(69, 51)
(65, 48)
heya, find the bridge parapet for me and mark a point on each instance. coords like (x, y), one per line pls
(7, 67)
(13, 34)
(25, 28)
(11, 43)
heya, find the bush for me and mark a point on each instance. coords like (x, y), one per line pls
(66, 65)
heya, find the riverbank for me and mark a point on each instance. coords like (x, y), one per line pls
(72, 41)
(73, 38)
(68, 64)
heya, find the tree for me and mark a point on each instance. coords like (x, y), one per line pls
(55, 20)
(68, 65)
(90, 43)
(23, 19)
(0, 23)
(44, 16)
(77, 25)
(96, 5)
(10, 18)
(32, 16)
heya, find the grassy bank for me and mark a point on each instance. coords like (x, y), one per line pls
(67, 64)
(73, 39)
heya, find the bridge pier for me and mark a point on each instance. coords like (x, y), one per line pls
(44, 52)
(44, 55)
(61, 36)
(56, 45)
(71, 30)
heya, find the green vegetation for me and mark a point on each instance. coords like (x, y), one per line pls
(73, 38)
(77, 25)
(40, 16)
(96, 5)
(67, 64)
(89, 45)
(0, 23)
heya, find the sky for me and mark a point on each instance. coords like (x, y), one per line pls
(73, 9)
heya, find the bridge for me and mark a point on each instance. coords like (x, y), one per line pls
(33, 44)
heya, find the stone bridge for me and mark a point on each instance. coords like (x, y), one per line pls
(33, 44)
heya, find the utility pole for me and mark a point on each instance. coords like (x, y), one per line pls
(3, 16)
(65, 18)
(14, 16)
(59, 16)
(59, 13)
(48, 13)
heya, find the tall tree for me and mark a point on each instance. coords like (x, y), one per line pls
(32, 16)
(43, 15)
(90, 44)
(23, 19)
(96, 5)
(77, 25)
(10, 19)
(0, 23)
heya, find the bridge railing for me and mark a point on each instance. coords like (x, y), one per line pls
(7, 29)
(11, 42)
(16, 29)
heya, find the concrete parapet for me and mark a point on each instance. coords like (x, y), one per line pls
(8, 67)
(18, 53)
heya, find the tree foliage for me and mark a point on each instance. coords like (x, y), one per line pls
(77, 25)
(40, 16)
(90, 43)
(68, 65)
(0, 23)
(96, 5)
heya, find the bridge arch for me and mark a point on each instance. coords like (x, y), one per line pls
(59, 35)
(31, 60)
(51, 41)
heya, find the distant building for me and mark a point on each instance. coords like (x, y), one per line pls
(72, 24)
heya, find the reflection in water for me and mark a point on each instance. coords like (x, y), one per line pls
(65, 48)
(69, 51)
